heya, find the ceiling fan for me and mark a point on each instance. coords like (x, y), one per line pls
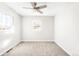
(35, 7)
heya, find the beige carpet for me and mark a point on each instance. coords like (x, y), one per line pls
(36, 49)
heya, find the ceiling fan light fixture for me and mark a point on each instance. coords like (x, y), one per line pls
(37, 8)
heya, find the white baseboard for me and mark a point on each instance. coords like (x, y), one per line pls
(13, 45)
(4, 51)
(62, 48)
(38, 40)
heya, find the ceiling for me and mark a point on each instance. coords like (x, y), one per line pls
(17, 6)
(49, 11)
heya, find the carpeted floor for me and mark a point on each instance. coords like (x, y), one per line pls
(36, 49)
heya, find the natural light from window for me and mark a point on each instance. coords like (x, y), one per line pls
(6, 23)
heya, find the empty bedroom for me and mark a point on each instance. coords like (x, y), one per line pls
(39, 29)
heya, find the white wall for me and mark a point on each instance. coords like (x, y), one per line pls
(12, 39)
(67, 28)
(45, 34)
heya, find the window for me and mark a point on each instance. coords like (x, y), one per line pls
(6, 23)
(36, 25)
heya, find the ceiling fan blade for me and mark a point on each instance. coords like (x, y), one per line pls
(33, 4)
(40, 7)
(39, 11)
(27, 8)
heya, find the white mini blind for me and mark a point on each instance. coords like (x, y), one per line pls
(6, 23)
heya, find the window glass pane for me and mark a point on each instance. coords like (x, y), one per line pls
(6, 22)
